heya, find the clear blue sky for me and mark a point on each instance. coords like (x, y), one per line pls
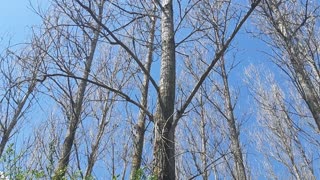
(16, 18)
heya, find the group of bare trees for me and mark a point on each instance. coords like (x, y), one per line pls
(157, 89)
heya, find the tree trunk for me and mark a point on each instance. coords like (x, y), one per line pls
(204, 139)
(305, 86)
(140, 127)
(75, 114)
(291, 43)
(17, 115)
(164, 145)
(234, 133)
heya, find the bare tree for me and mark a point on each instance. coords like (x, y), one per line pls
(165, 142)
(19, 73)
(164, 161)
(291, 27)
(74, 31)
(140, 126)
(165, 119)
(65, 40)
(44, 150)
(281, 136)
(218, 38)
(218, 17)
(232, 123)
(75, 114)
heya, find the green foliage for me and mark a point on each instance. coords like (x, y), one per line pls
(89, 178)
(153, 177)
(10, 163)
(115, 177)
(76, 175)
(140, 174)
(59, 174)
(52, 151)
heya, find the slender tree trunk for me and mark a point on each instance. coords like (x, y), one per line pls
(291, 44)
(76, 113)
(140, 127)
(164, 145)
(305, 86)
(204, 139)
(8, 131)
(234, 133)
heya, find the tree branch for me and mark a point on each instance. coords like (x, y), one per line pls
(120, 93)
(218, 55)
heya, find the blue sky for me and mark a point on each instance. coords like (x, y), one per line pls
(16, 18)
